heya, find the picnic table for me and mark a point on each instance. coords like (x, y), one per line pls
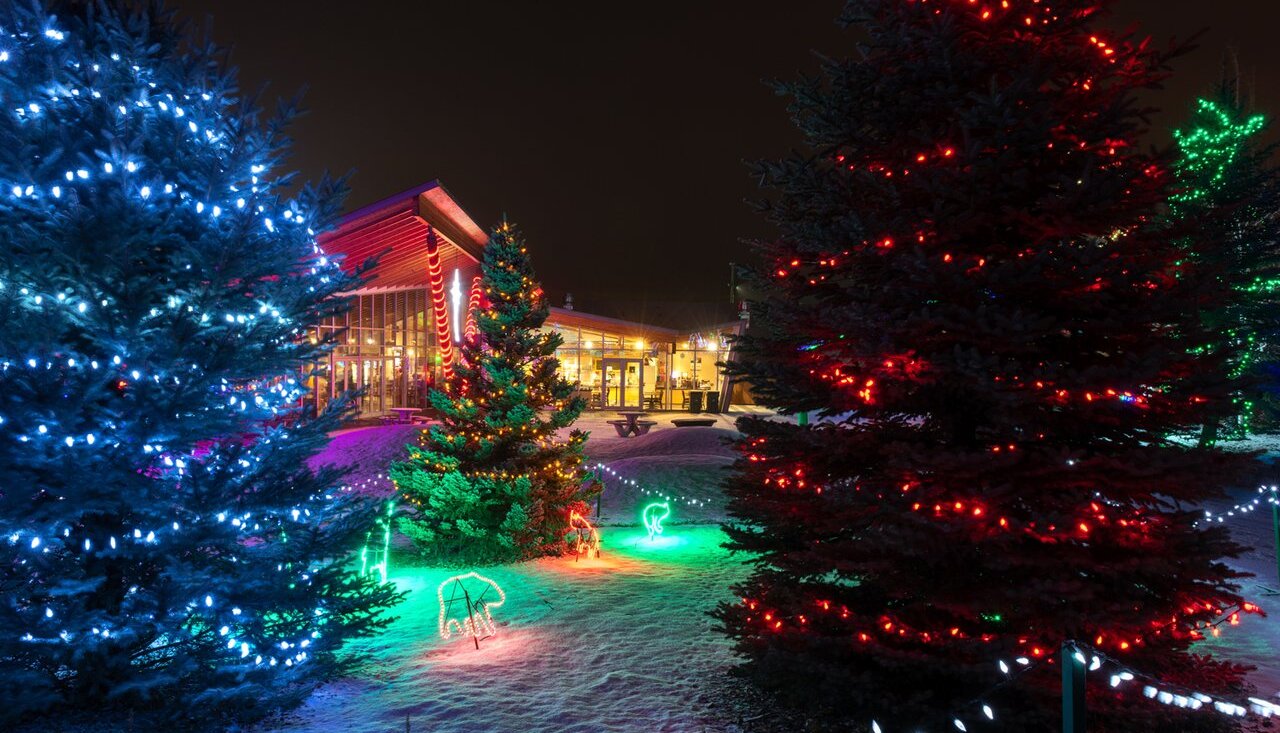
(631, 424)
(404, 415)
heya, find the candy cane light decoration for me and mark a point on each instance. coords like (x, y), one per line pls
(439, 306)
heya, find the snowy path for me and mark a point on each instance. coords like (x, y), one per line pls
(618, 643)
(1256, 641)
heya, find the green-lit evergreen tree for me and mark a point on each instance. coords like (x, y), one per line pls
(494, 482)
(1230, 188)
(169, 562)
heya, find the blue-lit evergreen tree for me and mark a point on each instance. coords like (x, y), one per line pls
(168, 558)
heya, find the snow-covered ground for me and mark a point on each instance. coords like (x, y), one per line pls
(1256, 641)
(618, 643)
(622, 642)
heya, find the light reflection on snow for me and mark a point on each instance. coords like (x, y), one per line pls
(509, 646)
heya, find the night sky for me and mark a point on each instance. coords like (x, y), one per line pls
(613, 133)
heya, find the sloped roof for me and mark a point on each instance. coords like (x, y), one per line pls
(394, 230)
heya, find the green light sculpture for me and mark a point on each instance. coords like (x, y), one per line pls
(380, 566)
(653, 515)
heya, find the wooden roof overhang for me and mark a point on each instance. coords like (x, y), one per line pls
(394, 231)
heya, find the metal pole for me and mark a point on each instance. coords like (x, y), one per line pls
(475, 633)
(596, 475)
(1073, 670)
(1275, 523)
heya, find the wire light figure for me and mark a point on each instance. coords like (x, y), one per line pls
(653, 515)
(585, 536)
(380, 558)
(467, 609)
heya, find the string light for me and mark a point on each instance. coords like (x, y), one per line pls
(650, 492)
(1266, 494)
(1209, 150)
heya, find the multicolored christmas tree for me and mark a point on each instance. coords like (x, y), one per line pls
(494, 481)
(169, 562)
(975, 289)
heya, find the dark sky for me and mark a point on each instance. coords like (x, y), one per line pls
(613, 133)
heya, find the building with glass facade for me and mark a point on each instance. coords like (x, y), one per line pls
(622, 364)
(401, 333)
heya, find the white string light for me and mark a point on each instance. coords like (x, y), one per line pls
(1167, 694)
(650, 492)
(1266, 495)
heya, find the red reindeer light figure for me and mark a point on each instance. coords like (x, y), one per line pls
(584, 536)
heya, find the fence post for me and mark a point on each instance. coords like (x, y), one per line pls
(1275, 523)
(1073, 671)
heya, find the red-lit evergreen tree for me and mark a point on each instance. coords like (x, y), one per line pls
(972, 282)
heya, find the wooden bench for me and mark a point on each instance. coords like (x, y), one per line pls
(642, 426)
(694, 422)
(621, 426)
